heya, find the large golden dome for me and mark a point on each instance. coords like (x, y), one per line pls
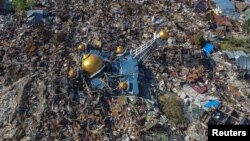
(92, 64)
(164, 34)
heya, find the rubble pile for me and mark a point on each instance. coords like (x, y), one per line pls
(39, 101)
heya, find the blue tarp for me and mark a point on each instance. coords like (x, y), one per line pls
(227, 8)
(212, 104)
(208, 48)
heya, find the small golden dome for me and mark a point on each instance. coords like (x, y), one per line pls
(97, 43)
(81, 47)
(92, 64)
(123, 85)
(72, 73)
(85, 56)
(164, 34)
(119, 50)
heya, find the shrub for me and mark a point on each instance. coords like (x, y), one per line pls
(22, 5)
(199, 40)
(172, 108)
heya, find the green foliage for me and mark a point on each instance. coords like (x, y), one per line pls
(246, 26)
(234, 44)
(22, 5)
(199, 40)
(171, 106)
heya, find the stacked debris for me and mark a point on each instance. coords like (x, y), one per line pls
(40, 101)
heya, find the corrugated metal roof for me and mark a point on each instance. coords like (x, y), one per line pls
(36, 16)
(235, 54)
(243, 62)
(227, 8)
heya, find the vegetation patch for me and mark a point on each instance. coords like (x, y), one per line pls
(22, 5)
(233, 44)
(172, 107)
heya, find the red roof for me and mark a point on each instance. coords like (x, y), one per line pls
(219, 33)
(198, 88)
(222, 21)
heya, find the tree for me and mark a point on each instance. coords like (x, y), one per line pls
(199, 40)
(172, 108)
(246, 26)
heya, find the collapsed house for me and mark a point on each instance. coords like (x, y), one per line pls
(223, 115)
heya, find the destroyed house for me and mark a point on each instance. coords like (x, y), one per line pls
(224, 115)
(201, 7)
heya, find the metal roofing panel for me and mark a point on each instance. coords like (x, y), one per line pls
(243, 62)
(130, 71)
(224, 4)
(227, 8)
(235, 54)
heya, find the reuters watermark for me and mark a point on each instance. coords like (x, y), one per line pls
(225, 131)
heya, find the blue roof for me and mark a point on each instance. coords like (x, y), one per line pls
(227, 8)
(97, 83)
(208, 49)
(127, 66)
(129, 69)
(212, 104)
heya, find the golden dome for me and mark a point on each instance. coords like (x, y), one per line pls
(92, 64)
(97, 43)
(119, 50)
(72, 73)
(81, 47)
(123, 85)
(85, 56)
(164, 34)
